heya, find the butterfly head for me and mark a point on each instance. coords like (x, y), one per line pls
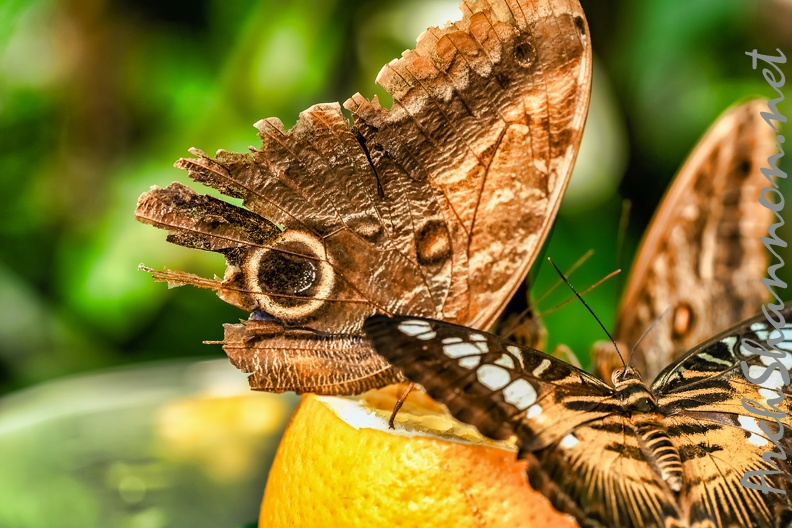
(626, 375)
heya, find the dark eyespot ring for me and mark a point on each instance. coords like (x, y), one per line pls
(290, 279)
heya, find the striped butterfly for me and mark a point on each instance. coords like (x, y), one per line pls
(436, 206)
(670, 455)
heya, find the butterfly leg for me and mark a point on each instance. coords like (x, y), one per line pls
(399, 402)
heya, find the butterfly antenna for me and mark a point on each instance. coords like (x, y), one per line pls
(624, 222)
(646, 333)
(531, 312)
(572, 269)
(590, 311)
(584, 292)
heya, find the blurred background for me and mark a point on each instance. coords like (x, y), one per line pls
(98, 98)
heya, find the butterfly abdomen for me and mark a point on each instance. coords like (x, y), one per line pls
(659, 450)
(653, 439)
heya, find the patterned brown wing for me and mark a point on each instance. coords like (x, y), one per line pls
(701, 256)
(601, 476)
(584, 441)
(582, 452)
(719, 438)
(501, 388)
(436, 207)
(724, 425)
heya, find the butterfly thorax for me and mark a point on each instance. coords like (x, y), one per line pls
(640, 405)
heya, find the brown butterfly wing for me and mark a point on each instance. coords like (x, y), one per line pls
(603, 478)
(702, 256)
(583, 454)
(345, 364)
(511, 82)
(437, 206)
(501, 388)
(580, 437)
(717, 430)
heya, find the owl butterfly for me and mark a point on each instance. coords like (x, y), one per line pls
(671, 455)
(435, 207)
(701, 256)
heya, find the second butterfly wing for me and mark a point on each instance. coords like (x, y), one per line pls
(701, 257)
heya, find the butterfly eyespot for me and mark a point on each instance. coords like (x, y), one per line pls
(580, 25)
(744, 168)
(432, 243)
(525, 54)
(286, 274)
(291, 279)
(682, 321)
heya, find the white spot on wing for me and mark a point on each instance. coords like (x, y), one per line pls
(752, 426)
(762, 335)
(746, 352)
(730, 341)
(470, 362)
(458, 350)
(534, 411)
(774, 381)
(769, 394)
(449, 340)
(541, 368)
(419, 329)
(757, 440)
(493, 377)
(713, 359)
(749, 424)
(477, 337)
(756, 327)
(569, 441)
(786, 360)
(505, 361)
(517, 353)
(785, 345)
(520, 393)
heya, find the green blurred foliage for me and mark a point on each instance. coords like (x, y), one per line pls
(96, 108)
